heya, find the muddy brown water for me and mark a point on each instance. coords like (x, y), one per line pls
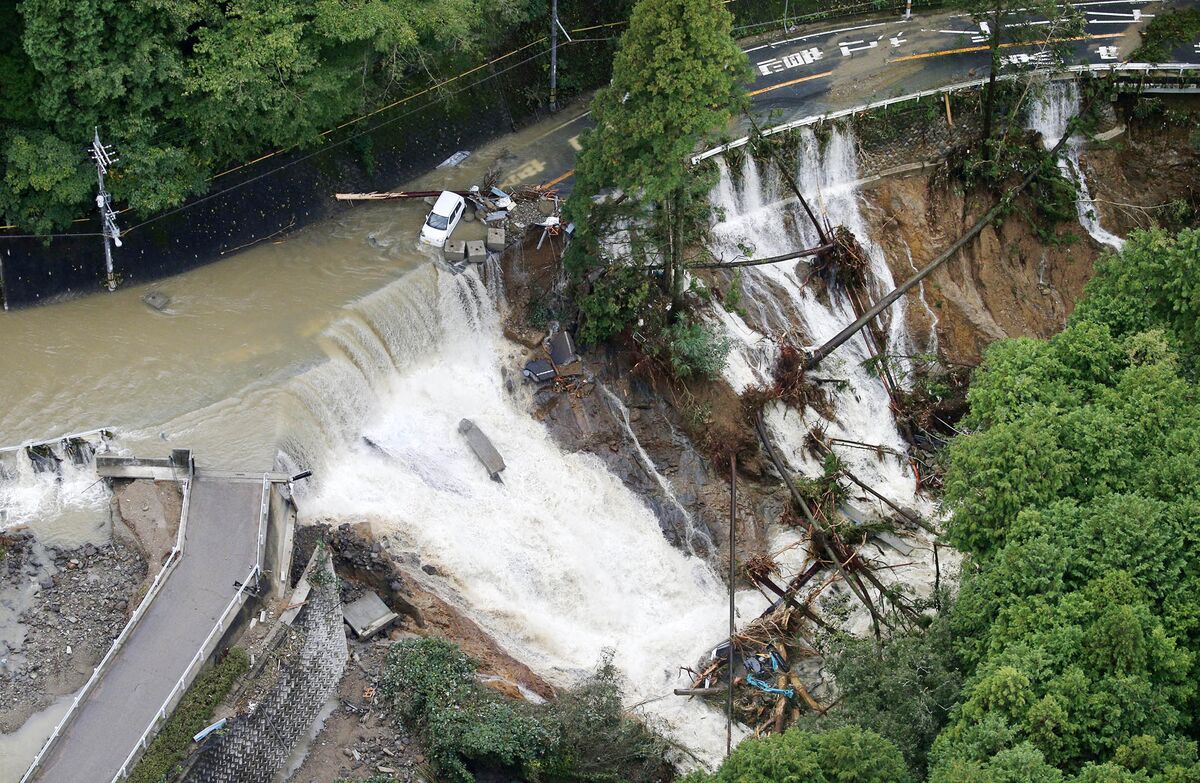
(200, 374)
(208, 373)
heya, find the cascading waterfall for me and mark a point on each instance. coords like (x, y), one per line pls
(691, 531)
(1049, 115)
(932, 348)
(777, 300)
(53, 488)
(560, 561)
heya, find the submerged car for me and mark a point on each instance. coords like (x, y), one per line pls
(446, 212)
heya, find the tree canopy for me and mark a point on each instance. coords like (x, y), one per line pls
(1071, 652)
(181, 87)
(678, 76)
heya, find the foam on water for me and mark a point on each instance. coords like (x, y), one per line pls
(1049, 115)
(66, 506)
(560, 561)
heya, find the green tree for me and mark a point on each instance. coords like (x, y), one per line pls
(1000, 21)
(902, 688)
(844, 755)
(678, 75)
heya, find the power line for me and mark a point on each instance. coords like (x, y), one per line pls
(349, 138)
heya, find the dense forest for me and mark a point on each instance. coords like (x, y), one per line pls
(1072, 650)
(183, 87)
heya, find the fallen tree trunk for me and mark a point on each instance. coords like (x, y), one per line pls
(812, 251)
(817, 356)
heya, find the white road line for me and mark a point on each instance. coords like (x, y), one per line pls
(775, 44)
(557, 128)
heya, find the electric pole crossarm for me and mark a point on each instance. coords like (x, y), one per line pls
(104, 157)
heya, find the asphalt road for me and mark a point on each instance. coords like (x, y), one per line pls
(221, 547)
(814, 70)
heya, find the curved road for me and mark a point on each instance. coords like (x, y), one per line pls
(815, 70)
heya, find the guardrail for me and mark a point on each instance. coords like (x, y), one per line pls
(185, 679)
(167, 567)
(1067, 73)
(263, 513)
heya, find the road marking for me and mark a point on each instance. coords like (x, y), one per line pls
(789, 84)
(574, 142)
(527, 170)
(559, 127)
(969, 49)
(775, 44)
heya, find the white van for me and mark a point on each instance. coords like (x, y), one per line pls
(444, 216)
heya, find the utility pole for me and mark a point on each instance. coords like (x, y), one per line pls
(553, 55)
(103, 155)
(732, 580)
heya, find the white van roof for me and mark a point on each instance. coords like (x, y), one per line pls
(446, 203)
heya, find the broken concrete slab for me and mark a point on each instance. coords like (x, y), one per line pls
(368, 615)
(483, 448)
(895, 542)
(157, 300)
(455, 250)
(495, 240)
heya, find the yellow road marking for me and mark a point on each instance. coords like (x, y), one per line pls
(789, 84)
(969, 49)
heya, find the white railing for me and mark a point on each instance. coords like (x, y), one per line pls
(1067, 73)
(167, 566)
(263, 513)
(185, 679)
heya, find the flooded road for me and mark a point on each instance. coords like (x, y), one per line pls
(205, 373)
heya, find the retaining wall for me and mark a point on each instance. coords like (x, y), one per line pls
(253, 748)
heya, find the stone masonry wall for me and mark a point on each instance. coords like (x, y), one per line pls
(256, 746)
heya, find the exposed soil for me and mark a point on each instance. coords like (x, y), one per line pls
(63, 608)
(687, 432)
(366, 564)
(1150, 175)
(359, 738)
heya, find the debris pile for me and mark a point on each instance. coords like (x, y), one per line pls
(69, 605)
(562, 368)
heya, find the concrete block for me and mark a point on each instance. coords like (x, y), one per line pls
(476, 252)
(368, 615)
(455, 250)
(495, 239)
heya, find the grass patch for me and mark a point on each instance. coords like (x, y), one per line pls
(1166, 31)
(194, 712)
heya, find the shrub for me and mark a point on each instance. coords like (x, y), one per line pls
(696, 351)
(617, 300)
(194, 712)
(583, 735)
(848, 754)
